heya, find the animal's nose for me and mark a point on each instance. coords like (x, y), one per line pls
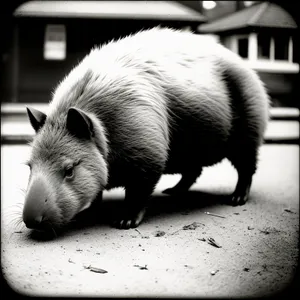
(34, 208)
(33, 222)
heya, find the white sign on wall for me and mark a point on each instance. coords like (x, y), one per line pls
(55, 45)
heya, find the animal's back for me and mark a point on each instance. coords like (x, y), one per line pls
(205, 86)
(164, 91)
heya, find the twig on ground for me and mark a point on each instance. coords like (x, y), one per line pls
(202, 239)
(95, 270)
(138, 231)
(175, 231)
(143, 236)
(214, 272)
(289, 211)
(214, 215)
(141, 267)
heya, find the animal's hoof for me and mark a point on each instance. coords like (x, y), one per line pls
(238, 199)
(130, 222)
(240, 196)
(125, 224)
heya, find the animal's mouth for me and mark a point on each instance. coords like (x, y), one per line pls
(45, 232)
(43, 227)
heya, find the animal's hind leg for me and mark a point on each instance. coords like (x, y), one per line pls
(246, 167)
(186, 181)
(241, 193)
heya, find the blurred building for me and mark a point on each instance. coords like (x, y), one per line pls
(216, 9)
(213, 10)
(51, 37)
(43, 40)
(266, 37)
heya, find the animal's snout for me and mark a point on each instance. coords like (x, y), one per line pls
(35, 205)
(33, 222)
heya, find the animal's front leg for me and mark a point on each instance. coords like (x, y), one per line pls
(135, 205)
(131, 217)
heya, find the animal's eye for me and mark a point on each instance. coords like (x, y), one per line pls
(69, 172)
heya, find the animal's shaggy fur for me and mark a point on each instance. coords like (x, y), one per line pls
(160, 101)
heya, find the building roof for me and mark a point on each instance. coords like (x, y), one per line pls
(154, 10)
(266, 14)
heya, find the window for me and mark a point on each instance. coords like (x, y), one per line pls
(281, 47)
(55, 42)
(276, 47)
(242, 44)
(264, 46)
(249, 3)
(295, 50)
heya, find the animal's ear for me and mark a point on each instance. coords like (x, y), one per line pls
(37, 118)
(79, 123)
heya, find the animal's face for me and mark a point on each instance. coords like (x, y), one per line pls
(67, 173)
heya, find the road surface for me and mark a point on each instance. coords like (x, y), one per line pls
(170, 253)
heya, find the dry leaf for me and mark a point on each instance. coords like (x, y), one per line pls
(212, 241)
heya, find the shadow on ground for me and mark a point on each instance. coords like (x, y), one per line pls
(102, 213)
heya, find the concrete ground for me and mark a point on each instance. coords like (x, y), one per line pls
(170, 254)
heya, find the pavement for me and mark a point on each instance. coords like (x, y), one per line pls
(171, 254)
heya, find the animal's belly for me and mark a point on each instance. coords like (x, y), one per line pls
(192, 152)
